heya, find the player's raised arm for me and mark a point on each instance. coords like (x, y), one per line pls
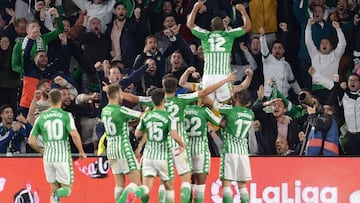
(184, 77)
(130, 97)
(245, 17)
(191, 18)
(246, 83)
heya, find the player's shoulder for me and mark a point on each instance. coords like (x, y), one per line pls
(188, 95)
(199, 29)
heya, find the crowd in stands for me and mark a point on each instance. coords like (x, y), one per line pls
(304, 55)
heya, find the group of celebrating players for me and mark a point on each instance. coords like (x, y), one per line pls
(174, 131)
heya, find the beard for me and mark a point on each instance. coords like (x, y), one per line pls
(121, 18)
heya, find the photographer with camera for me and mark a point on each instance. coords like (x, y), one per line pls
(322, 131)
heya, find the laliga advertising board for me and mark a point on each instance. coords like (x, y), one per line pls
(275, 180)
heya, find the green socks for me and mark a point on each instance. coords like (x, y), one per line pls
(142, 192)
(227, 195)
(185, 192)
(161, 194)
(64, 191)
(244, 195)
(130, 188)
(199, 190)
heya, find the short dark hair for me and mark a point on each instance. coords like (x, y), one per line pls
(217, 23)
(243, 97)
(157, 96)
(41, 82)
(3, 107)
(118, 64)
(150, 37)
(354, 74)
(170, 84)
(55, 96)
(118, 4)
(20, 20)
(278, 42)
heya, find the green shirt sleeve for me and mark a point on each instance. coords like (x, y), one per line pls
(17, 59)
(48, 37)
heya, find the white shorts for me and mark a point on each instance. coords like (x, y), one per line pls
(61, 172)
(123, 166)
(201, 163)
(221, 94)
(162, 168)
(182, 162)
(235, 167)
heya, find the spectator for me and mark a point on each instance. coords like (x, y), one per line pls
(42, 40)
(275, 124)
(126, 36)
(12, 132)
(177, 65)
(151, 51)
(37, 69)
(348, 21)
(169, 26)
(15, 30)
(349, 95)
(240, 69)
(254, 49)
(263, 14)
(148, 80)
(167, 8)
(198, 58)
(209, 10)
(325, 60)
(40, 101)
(87, 118)
(320, 30)
(181, 10)
(323, 136)
(100, 9)
(9, 80)
(276, 68)
(111, 73)
(96, 46)
(282, 147)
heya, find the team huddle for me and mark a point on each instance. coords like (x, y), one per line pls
(172, 132)
(175, 136)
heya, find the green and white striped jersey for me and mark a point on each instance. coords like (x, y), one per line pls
(175, 106)
(217, 47)
(157, 124)
(196, 119)
(115, 119)
(55, 125)
(238, 123)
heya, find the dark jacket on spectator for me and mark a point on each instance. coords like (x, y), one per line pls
(131, 38)
(270, 130)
